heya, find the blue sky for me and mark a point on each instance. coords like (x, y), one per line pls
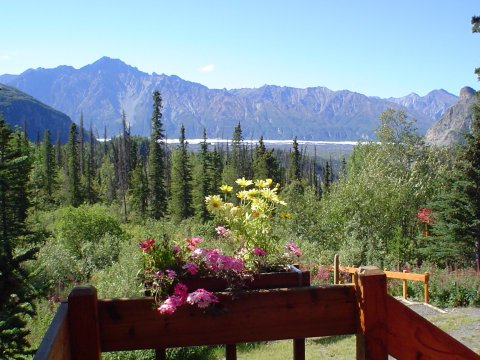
(375, 47)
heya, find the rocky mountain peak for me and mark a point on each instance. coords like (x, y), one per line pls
(466, 92)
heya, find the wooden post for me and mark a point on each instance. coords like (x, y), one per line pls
(405, 289)
(371, 292)
(83, 323)
(336, 270)
(298, 349)
(160, 354)
(425, 287)
(231, 352)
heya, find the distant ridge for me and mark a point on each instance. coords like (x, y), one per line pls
(19, 109)
(455, 123)
(106, 87)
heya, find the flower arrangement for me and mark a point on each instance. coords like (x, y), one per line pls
(247, 243)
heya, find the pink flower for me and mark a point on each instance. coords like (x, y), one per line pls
(170, 273)
(191, 268)
(222, 230)
(424, 215)
(176, 249)
(167, 307)
(202, 298)
(180, 292)
(293, 248)
(192, 242)
(147, 245)
(259, 251)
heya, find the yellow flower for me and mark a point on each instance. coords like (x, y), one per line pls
(214, 203)
(243, 182)
(242, 194)
(236, 211)
(226, 188)
(263, 183)
(251, 194)
(286, 215)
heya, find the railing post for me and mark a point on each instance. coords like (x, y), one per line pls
(425, 288)
(336, 270)
(160, 354)
(298, 349)
(83, 323)
(405, 288)
(371, 293)
(231, 352)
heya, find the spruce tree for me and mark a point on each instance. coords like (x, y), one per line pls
(139, 189)
(156, 162)
(295, 162)
(181, 182)
(203, 179)
(73, 189)
(15, 293)
(49, 164)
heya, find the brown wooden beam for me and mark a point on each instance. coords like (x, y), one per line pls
(371, 289)
(56, 342)
(83, 323)
(410, 336)
(256, 315)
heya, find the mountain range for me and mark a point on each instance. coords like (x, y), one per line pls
(22, 110)
(105, 88)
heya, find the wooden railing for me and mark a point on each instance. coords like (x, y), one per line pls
(85, 326)
(404, 276)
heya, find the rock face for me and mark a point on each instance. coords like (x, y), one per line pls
(19, 110)
(455, 123)
(103, 89)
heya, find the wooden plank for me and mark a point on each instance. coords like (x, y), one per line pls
(410, 336)
(336, 270)
(406, 276)
(55, 344)
(371, 289)
(256, 315)
(83, 323)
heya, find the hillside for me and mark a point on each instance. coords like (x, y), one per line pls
(103, 89)
(20, 109)
(455, 123)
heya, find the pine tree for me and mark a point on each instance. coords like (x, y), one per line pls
(203, 179)
(156, 162)
(327, 177)
(73, 189)
(90, 175)
(139, 189)
(295, 169)
(181, 206)
(49, 164)
(15, 293)
(81, 150)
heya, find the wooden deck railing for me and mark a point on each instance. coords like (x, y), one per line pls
(404, 276)
(86, 326)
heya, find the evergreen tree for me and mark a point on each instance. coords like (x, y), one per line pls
(156, 162)
(327, 177)
(181, 182)
(73, 189)
(203, 179)
(295, 170)
(81, 151)
(49, 164)
(15, 293)
(139, 189)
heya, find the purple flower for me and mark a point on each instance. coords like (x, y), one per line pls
(259, 251)
(202, 298)
(293, 248)
(191, 268)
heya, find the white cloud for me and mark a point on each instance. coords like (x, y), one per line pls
(207, 68)
(5, 57)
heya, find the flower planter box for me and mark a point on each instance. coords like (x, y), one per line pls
(260, 281)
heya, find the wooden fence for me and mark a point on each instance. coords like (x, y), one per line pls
(85, 326)
(404, 276)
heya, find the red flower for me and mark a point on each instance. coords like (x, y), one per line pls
(424, 215)
(147, 245)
